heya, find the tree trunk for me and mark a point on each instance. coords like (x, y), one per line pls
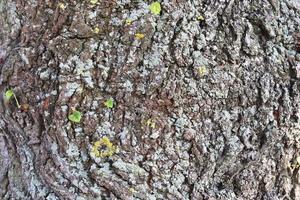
(205, 100)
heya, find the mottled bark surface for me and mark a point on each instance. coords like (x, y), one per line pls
(229, 131)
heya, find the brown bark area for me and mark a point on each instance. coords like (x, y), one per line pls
(227, 131)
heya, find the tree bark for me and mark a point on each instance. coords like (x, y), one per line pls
(206, 104)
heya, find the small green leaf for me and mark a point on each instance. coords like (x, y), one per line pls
(9, 94)
(94, 2)
(75, 116)
(109, 103)
(155, 8)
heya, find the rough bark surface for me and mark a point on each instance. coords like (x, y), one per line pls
(232, 132)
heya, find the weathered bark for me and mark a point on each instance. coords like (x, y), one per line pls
(232, 133)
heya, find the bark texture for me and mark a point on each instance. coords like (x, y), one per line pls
(206, 104)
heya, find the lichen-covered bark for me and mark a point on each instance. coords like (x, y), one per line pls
(232, 132)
